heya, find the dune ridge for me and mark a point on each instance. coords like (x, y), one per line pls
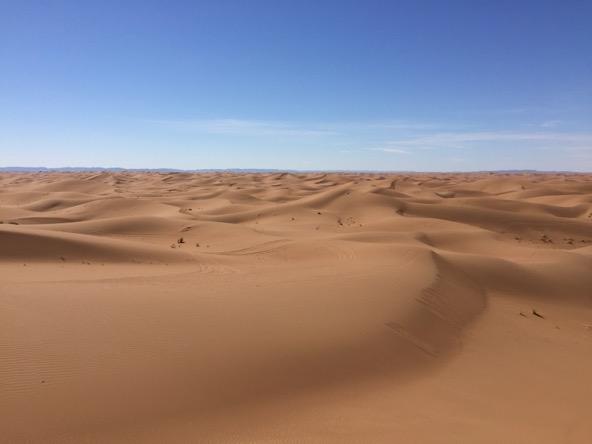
(283, 307)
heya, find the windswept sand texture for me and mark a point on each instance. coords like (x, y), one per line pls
(298, 308)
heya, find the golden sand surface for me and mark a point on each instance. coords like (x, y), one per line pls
(227, 307)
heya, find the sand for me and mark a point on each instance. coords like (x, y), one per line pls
(412, 308)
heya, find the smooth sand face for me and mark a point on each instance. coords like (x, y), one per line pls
(296, 308)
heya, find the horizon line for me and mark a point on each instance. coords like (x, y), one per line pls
(66, 169)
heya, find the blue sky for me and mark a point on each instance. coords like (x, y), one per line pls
(384, 85)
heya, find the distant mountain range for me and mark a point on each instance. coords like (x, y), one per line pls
(17, 169)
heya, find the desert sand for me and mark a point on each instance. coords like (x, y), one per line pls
(227, 307)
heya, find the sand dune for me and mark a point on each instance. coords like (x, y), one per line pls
(287, 307)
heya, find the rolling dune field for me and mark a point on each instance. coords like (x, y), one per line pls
(228, 307)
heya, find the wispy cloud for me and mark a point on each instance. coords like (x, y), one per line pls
(394, 136)
(275, 128)
(468, 139)
(247, 127)
(389, 150)
(550, 124)
(515, 110)
(547, 124)
(399, 125)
